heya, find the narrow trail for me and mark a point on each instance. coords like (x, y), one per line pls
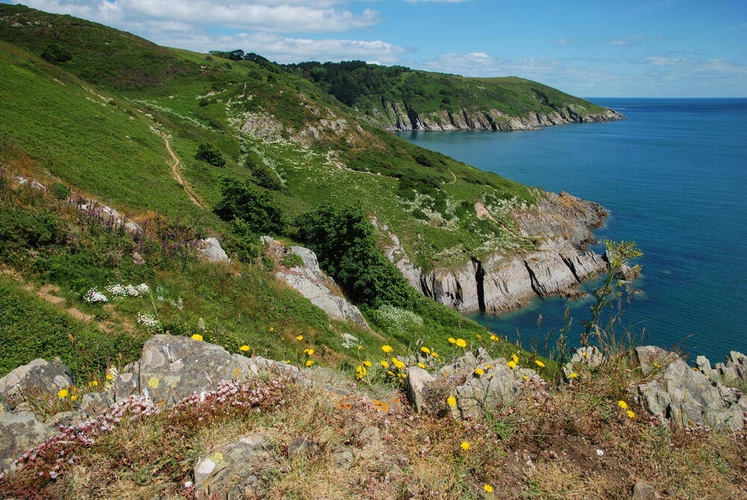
(177, 174)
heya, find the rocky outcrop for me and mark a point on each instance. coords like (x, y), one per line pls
(403, 117)
(312, 283)
(685, 397)
(561, 227)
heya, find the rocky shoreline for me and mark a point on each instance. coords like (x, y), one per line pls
(401, 117)
(561, 225)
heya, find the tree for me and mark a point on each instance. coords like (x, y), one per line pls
(344, 242)
(209, 153)
(55, 54)
(240, 201)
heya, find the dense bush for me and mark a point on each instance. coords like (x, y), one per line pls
(210, 154)
(343, 239)
(240, 201)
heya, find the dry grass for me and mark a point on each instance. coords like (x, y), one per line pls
(574, 443)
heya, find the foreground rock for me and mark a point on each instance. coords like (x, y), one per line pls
(688, 398)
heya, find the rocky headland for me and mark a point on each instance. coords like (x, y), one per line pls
(398, 116)
(560, 227)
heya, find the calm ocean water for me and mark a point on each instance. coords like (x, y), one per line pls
(674, 178)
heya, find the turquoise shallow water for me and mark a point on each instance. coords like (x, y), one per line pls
(673, 176)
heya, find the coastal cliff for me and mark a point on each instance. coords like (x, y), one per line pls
(399, 116)
(560, 225)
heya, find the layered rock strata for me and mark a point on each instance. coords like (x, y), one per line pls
(402, 117)
(560, 226)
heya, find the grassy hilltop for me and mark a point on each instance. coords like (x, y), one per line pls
(190, 146)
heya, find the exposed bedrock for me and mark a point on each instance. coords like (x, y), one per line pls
(561, 227)
(402, 117)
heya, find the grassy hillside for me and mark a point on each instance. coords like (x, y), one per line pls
(112, 117)
(366, 86)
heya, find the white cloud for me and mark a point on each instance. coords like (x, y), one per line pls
(286, 16)
(626, 40)
(650, 76)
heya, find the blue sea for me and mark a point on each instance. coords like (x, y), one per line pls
(673, 176)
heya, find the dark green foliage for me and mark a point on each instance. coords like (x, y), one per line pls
(263, 175)
(210, 154)
(241, 201)
(60, 191)
(344, 242)
(23, 229)
(242, 244)
(55, 54)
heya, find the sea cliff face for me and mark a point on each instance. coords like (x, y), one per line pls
(399, 116)
(561, 227)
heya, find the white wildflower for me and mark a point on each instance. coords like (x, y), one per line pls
(93, 296)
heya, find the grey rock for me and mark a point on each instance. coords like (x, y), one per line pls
(212, 251)
(35, 379)
(342, 459)
(685, 397)
(644, 491)
(20, 432)
(173, 367)
(312, 283)
(416, 381)
(234, 470)
(652, 358)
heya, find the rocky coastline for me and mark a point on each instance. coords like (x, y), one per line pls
(401, 117)
(560, 225)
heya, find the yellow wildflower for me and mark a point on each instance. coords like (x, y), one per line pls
(73, 397)
(244, 348)
(299, 338)
(421, 365)
(360, 347)
(622, 404)
(515, 358)
(390, 373)
(360, 372)
(479, 337)
(479, 372)
(451, 401)
(384, 364)
(631, 414)
(573, 375)
(434, 354)
(272, 329)
(526, 379)
(197, 337)
(402, 375)
(309, 362)
(309, 352)
(387, 348)
(511, 364)
(62, 393)
(367, 363)
(93, 383)
(464, 445)
(493, 337)
(461, 343)
(452, 340)
(399, 364)
(425, 350)
(488, 488)
(539, 363)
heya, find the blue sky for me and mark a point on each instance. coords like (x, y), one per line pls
(600, 48)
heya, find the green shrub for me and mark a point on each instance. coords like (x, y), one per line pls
(344, 242)
(240, 201)
(397, 322)
(208, 153)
